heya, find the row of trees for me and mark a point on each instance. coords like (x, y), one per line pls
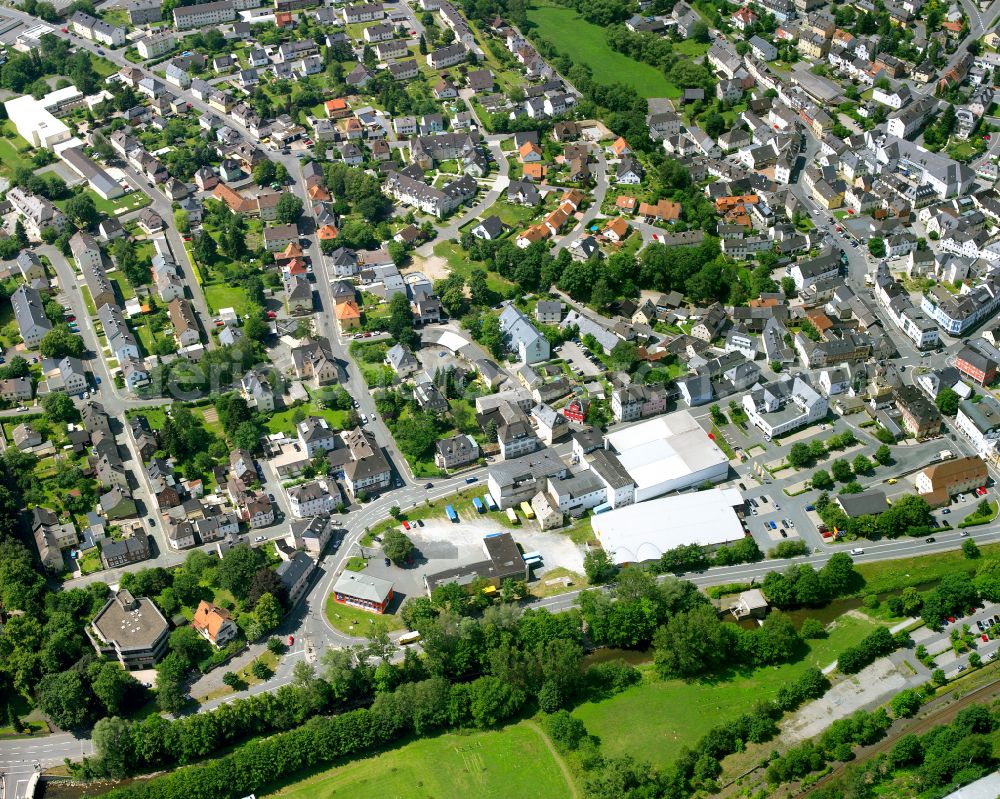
(697, 642)
(54, 57)
(941, 760)
(419, 705)
(516, 657)
(836, 743)
(909, 515)
(804, 586)
(876, 644)
(691, 557)
(218, 370)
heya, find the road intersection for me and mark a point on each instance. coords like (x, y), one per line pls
(312, 630)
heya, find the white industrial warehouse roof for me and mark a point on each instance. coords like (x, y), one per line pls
(644, 531)
(665, 448)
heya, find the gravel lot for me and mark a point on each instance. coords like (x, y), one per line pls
(868, 688)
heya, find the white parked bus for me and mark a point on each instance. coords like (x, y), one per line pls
(409, 638)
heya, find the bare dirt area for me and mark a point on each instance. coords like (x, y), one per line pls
(434, 267)
(868, 688)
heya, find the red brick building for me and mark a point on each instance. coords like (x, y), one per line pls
(364, 591)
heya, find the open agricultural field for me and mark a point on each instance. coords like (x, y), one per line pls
(585, 42)
(656, 719)
(512, 763)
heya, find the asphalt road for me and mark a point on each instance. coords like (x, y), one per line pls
(312, 631)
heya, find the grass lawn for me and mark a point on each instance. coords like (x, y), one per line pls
(691, 48)
(145, 334)
(512, 763)
(10, 157)
(102, 66)
(459, 262)
(27, 713)
(548, 585)
(124, 287)
(221, 295)
(120, 205)
(6, 318)
(281, 422)
(720, 439)
(517, 216)
(963, 151)
(356, 621)
(976, 519)
(156, 416)
(894, 575)
(657, 718)
(245, 674)
(91, 562)
(88, 301)
(210, 417)
(585, 42)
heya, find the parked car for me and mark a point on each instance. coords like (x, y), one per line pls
(406, 525)
(386, 562)
(948, 510)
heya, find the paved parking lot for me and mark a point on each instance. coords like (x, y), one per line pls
(573, 353)
(441, 545)
(938, 643)
(907, 460)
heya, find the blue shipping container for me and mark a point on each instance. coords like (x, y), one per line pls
(477, 503)
(602, 508)
(451, 513)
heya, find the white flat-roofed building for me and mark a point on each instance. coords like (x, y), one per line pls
(643, 532)
(668, 453)
(35, 123)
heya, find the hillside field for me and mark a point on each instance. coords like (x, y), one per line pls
(585, 42)
(512, 763)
